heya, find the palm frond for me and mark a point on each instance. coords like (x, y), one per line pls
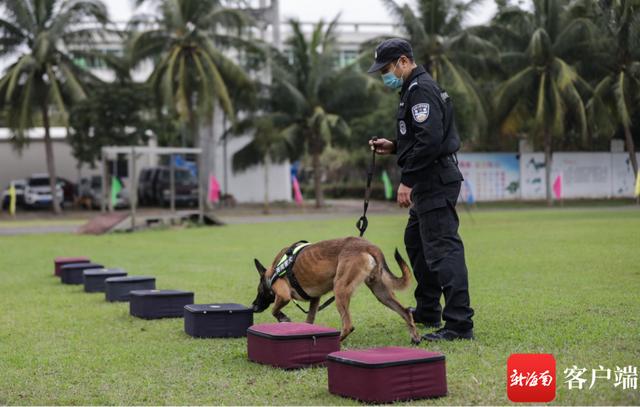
(621, 99)
(72, 84)
(21, 13)
(219, 87)
(512, 90)
(56, 93)
(541, 99)
(228, 18)
(26, 64)
(557, 109)
(461, 81)
(405, 16)
(147, 44)
(247, 156)
(579, 39)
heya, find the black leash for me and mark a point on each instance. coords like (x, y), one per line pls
(363, 222)
(320, 308)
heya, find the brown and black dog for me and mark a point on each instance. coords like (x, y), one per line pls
(337, 265)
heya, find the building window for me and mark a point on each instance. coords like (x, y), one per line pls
(347, 56)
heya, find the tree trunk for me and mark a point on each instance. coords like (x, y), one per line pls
(225, 158)
(51, 169)
(317, 179)
(632, 150)
(267, 162)
(547, 166)
(197, 142)
(203, 160)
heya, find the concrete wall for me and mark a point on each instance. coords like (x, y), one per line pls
(249, 186)
(32, 160)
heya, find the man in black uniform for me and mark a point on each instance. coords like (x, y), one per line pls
(426, 144)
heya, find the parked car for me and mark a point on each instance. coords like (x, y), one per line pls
(145, 185)
(19, 185)
(37, 192)
(186, 187)
(90, 193)
(155, 187)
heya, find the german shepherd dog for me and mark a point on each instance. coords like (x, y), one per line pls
(337, 265)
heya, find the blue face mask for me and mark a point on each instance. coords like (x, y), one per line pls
(391, 80)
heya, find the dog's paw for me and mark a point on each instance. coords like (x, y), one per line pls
(415, 341)
(346, 333)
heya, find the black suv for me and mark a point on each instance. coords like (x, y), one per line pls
(154, 187)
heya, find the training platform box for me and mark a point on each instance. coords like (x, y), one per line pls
(73, 273)
(61, 261)
(94, 278)
(217, 320)
(154, 304)
(383, 375)
(291, 345)
(118, 288)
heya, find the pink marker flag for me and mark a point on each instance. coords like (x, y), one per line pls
(297, 195)
(557, 187)
(214, 189)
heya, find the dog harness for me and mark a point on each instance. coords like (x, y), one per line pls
(284, 268)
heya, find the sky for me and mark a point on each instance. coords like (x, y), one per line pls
(371, 11)
(352, 11)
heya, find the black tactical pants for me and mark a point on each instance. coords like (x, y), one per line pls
(436, 250)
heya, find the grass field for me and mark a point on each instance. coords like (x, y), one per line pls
(565, 282)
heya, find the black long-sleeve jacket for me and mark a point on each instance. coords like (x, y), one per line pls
(425, 127)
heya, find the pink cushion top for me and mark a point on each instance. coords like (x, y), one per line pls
(391, 355)
(292, 329)
(60, 260)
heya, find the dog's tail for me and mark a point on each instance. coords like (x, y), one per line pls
(396, 283)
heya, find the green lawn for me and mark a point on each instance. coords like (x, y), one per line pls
(565, 282)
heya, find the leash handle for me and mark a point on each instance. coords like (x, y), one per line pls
(362, 224)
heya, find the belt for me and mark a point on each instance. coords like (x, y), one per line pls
(445, 160)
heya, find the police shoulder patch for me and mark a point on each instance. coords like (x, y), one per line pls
(420, 112)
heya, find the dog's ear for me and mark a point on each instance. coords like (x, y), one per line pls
(261, 269)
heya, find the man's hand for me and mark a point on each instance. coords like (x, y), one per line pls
(404, 196)
(382, 146)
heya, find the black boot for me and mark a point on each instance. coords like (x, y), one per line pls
(445, 334)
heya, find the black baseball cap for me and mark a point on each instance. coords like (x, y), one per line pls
(388, 51)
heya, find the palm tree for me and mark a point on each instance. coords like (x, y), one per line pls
(303, 94)
(191, 74)
(449, 52)
(617, 96)
(39, 32)
(545, 93)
